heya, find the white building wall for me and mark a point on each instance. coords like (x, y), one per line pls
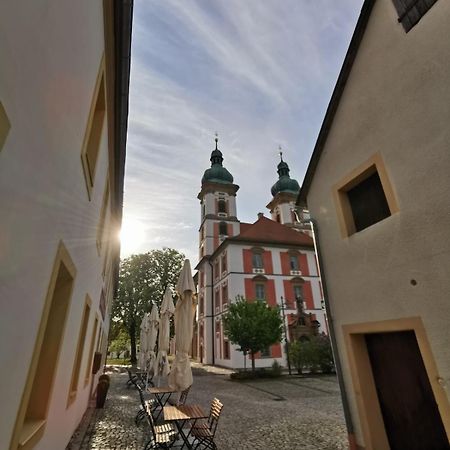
(397, 101)
(46, 89)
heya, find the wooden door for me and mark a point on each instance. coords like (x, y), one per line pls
(410, 412)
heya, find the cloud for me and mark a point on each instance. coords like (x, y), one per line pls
(259, 73)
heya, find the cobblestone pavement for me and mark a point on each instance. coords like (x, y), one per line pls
(286, 413)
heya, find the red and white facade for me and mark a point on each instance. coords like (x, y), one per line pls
(269, 259)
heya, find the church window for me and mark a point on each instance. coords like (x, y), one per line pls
(298, 292)
(221, 206)
(224, 263)
(278, 218)
(203, 210)
(294, 262)
(223, 228)
(411, 11)
(260, 291)
(257, 260)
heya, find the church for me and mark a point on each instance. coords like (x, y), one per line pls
(271, 259)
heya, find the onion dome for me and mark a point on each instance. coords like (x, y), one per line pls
(217, 173)
(285, 183)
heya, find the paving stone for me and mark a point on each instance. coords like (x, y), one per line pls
(286, 413)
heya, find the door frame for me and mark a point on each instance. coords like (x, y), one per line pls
(370, 415)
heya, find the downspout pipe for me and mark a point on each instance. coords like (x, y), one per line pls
(213, 341)
(334, 347)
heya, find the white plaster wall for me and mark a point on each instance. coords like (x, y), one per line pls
(396, 102)
(50, 54)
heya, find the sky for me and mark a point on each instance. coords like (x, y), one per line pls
(259, 73)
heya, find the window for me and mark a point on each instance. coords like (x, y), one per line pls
(298, 292)
(278, 218)
(260, 291)
(364, 197)
(217, 299)
(36, 396)
(101, 224)
(91, 353)
(225, 294)
(411, 11)
(5, 125)
(221, 206)
(224, 263)
(266, 353)
(257, 261)
(294, 262)
(223, 228)
(226, 350)
(203, 210)
(91, 144)
(201, 305)
(368, 202)
(216, 270)
(79, 352)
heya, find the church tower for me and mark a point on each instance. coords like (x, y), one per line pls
(217, 222)
(284, 193)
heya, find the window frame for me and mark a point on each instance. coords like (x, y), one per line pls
(256, 255)
(343, 209)
(95, 125)
(410, 15)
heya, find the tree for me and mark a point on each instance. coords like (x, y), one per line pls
(252, 325)
(143, 279)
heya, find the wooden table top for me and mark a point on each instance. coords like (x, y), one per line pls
(184, 412)
(160, 390)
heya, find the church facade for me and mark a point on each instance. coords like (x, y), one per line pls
(271, 259)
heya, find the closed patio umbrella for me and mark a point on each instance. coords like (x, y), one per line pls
(143, 347)
(152, 335)
(180, 376)
(161, 367)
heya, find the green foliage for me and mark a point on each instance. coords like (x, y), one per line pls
(121, 341)
(313, 355)
(276, 368)
(143, 279)
(253, 326)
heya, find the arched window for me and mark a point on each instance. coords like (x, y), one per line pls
(223, 228)
(257, 260)
(222, 206)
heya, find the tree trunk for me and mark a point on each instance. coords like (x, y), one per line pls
(253, 362)
(132, 333)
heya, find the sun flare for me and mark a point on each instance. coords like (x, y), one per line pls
(131, 235)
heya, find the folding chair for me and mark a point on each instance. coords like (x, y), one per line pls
(132, 377)
(163, 436)
(182, 399)
(204, 432)
(146, 405)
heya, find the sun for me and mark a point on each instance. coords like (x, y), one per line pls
(131, 235)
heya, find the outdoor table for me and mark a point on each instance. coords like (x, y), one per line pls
(162, 395)
(180, 415)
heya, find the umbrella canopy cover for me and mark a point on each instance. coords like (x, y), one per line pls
(152, 336)
(161, 367)
(180, 376)
(143, 347)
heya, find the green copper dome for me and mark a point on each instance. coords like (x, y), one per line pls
(217, 173)
(285, 183)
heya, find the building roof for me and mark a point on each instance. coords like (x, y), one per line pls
(267, 231)
(335, 99)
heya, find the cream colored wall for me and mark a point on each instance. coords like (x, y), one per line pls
(50, 53)
(397, 103)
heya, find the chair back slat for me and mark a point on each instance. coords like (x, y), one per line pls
(215, 411)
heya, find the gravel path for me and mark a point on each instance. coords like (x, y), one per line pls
(285, 413)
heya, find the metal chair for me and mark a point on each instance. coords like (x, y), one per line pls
(163, 436)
